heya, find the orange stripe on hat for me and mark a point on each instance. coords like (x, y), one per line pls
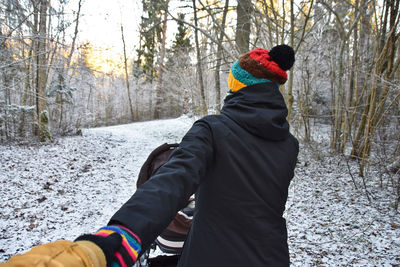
(233, 83)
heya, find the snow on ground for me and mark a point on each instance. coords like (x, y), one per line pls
(73, 186)
(331, 223)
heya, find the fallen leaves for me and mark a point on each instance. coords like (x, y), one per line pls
(40, 200)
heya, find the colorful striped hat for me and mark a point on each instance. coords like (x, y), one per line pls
(259, 66)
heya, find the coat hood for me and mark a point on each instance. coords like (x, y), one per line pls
(260, 109)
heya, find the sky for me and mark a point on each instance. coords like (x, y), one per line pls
(100, 23)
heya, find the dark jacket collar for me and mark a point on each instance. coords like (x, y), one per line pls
(260, 109)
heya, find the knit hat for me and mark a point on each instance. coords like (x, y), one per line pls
(261, 65)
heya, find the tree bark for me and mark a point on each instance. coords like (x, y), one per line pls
(244, 12)
(41, 76)
(290, 98)
(27, 88)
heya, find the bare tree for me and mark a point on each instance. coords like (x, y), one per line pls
(386, 64)
(199, 61)
(219, 59)
(126, 74)
(41, 74)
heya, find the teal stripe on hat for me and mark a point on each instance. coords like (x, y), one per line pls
(244, 76)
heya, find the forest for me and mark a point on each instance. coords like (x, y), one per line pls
(344, 88)
(346, 73)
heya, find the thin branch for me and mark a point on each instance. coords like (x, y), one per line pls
(304, 26)
(215, 21)
(18, 26)
(232, 56)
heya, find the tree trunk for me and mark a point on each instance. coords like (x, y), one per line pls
(127, 75)
(219, 59)
(199, 62)
(338, 111)
(353, 85)
(290, 98)
(27, 88)
(244, 12)
(41, 76)
(157, 110)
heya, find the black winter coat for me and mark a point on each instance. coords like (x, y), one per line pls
(239, 164)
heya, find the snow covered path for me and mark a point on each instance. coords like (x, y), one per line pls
(73, 186)
(61, 190)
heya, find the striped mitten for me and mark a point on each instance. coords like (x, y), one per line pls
(123, 255)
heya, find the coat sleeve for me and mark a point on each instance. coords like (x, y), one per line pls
(152, 207)
(60, 254)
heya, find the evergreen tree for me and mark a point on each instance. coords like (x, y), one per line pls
(181, 47)
(182, 39)
(177, 70)
(150, 37)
